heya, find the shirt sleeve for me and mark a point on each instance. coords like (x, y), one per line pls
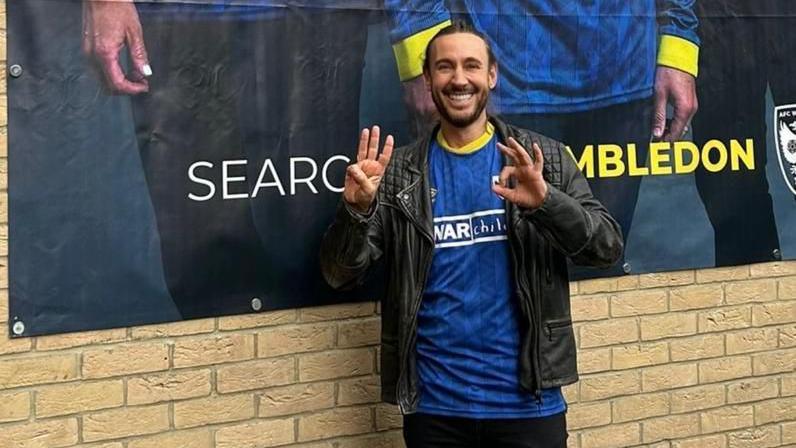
(679, 43)
(412, 25)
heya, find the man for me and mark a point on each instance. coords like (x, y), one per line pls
(747, 49)
(227, 96)
(475, 231)
(580, 71)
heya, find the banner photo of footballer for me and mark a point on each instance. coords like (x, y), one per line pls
(174, 160)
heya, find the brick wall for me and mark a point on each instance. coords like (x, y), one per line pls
(687, 359)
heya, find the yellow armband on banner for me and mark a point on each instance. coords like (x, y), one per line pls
(679, 53)
(409, 52)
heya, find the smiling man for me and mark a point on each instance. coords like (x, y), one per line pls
(475, 222)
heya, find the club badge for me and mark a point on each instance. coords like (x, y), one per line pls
(785, 136)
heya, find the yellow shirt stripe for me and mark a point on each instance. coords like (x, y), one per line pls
(410, 51)
(471, 147)
(679, 53)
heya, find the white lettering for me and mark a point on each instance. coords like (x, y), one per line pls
(306, 180)
(325, 171)
(226, 179)
(210, 186)
(268, 165)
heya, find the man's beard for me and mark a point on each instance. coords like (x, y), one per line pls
(459, 122)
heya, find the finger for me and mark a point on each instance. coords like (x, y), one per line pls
(362, 149)
(505, 175)
(138, 53)
(116, 78)
(538, 158)
(659, 114)
(386, 154)
(522, 154)
(360, 178)
(510, 153)
(373, 145)
(503, 192)
(88, 33)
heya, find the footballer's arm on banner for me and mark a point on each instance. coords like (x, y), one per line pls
(678, 60)
(412, 25)
(353, 241)
(109, 26)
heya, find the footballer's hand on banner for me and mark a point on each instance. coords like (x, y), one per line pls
(678, 88)
(423, 113)
(522, 182)
(363, 178)
(109, 26)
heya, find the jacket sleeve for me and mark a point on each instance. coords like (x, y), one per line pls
(350, 246)
(412, 25)
(677, 29)
(576, 223)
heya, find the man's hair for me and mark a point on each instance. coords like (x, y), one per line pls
(458, 26)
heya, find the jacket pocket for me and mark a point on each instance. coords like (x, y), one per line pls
(558, 358)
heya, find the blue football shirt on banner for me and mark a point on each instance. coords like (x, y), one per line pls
(468, 330)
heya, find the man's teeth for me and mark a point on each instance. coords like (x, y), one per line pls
(461, 96)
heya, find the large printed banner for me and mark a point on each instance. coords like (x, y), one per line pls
(181, 159)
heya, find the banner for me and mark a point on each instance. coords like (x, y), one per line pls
(181, 159)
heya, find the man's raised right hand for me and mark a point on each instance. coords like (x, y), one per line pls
(363, 178)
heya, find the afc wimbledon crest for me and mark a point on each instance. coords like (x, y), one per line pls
(785, 136)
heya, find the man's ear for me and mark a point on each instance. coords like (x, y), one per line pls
(493, 77)
(427, 79)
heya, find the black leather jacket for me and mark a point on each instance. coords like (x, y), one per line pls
(569, 224)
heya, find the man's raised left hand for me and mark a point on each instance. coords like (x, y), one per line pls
(529, 188)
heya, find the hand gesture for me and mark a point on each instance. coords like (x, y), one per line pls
(109, 25)
(529, 189)
(679, 88)
(362, 179)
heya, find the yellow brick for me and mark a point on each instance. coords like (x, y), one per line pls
(786, 288)
(778, 268)
(614, 436)
(44, 434)
(627, 282)
(788, 384)
(40, 370)
(778, 410)
(634, 303)
(787, 336)
(388, 416)
(638, 407)
(255, 375)
(750, 291)
(598, 387)
(714, 441)
(391, 439)
(597, 285)
(62, 341)
(726, 274)
(337, 312)
(101, 445)
(183, 328)
(259, 434)
(125, 422)
(755, 438)
(573, 290)
(359, 333)
(754, 340)
(14, 406)
(588, 415)
(696, 296)
(789, 432)
(670, 376)
(3, 298)
(295, 399)
(215, 409)
(725, 319)
(671, 427)
(723, 369)
(774, 313)
(697, 398)
(698, 347)
(610, 332)
(264, 319)
(213, 350)
(571, 393)
(125, 360)
(589, 308)
(196, 438)
(639, 355)
(335, 423)
(752, 390)
(774, 362)
(302, 338)
(359, 391)
(668, 325)
(335, 364)
(727, 418)
(592, 361)
(168, 387)
(18, 345)
(663, 279)
(79, 397)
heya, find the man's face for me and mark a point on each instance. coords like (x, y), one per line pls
(459, 77)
